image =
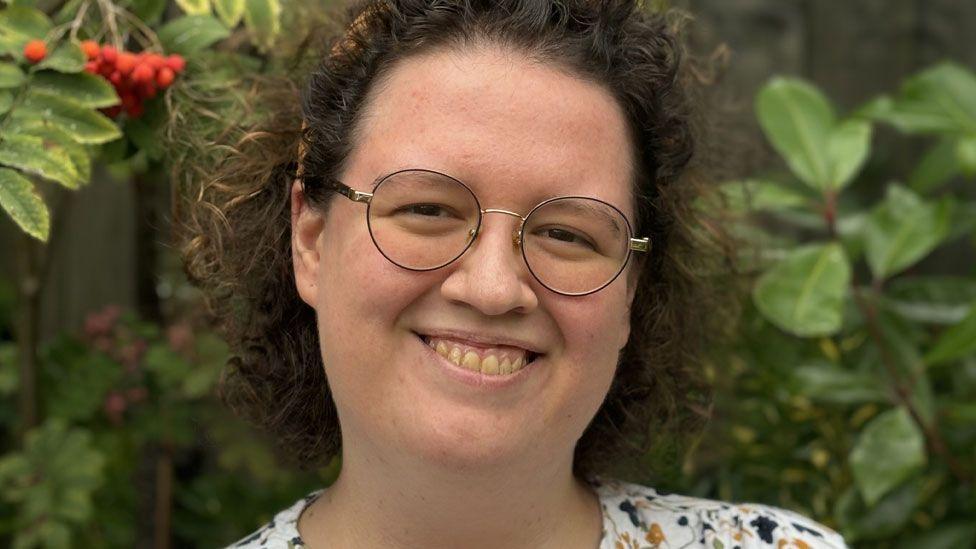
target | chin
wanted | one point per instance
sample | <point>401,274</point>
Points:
<point>469,445</point>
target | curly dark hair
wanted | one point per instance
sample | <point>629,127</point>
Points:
<point>236,217</point>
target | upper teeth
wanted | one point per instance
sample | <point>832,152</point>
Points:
<point>491,361</point>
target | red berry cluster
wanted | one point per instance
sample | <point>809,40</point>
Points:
<point>136,77</point>
<point>35,51</point>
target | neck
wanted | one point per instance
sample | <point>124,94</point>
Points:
<point>394,503</point>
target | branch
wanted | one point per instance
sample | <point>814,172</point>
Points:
<point>903,394</point>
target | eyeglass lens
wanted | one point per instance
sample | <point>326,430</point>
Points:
<point>424,220</point>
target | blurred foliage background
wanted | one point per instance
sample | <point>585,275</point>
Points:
<point>846,137</point>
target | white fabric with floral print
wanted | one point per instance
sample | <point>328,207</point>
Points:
<point>638,517</point>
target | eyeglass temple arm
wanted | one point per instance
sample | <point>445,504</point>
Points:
<point>344,190</point>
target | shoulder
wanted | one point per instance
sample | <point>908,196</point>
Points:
<point>636,515</point>
<point>281,532</point>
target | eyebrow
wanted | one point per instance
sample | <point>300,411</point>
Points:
<point>581,207</point>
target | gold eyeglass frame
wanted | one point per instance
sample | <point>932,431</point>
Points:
<point>640,245</point>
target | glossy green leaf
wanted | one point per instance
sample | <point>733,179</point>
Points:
<point>966,154</point>
<point>937,166</point>
<point>229,11</point>
<point>82,88</point>
<point>931,299</point>
<point>939,99</point>
<point>150,11</point>
<point>21,202</point>
<point>885,518</point>
<point>804,293</point>
<point>848,146</point>
<point>67,58</point>
<point>191,34</point>
<point>19,24</point>
<point>889,450</point>
<point>757,194</point>
<point>902,230</point>
<point>263,19</point>
<point>957,342</point>
<point>826,382</point>
<point>797,119</point>
<point>11,76</point>
<point>38,156</point>
<point>194,7</point>
<point>81,123</point>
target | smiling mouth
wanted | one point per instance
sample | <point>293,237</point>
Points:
<point>500,360</point>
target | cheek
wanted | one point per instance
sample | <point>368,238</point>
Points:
<point>597,324</point>
<point>594,329</point>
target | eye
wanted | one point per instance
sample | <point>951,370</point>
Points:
<point>567,236</point>
<point>426,210</point>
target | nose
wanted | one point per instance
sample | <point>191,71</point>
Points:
<point>491,275</point>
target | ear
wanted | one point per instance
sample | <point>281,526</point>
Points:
<point>307,225</point>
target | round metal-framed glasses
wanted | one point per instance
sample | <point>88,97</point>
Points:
<point>422,220</point>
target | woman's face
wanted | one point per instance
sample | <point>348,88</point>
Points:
<point>516,132</point>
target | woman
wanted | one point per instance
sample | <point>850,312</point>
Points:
<point>476,276</point>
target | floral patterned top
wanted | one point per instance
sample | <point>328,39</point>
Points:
<point>638,517</point>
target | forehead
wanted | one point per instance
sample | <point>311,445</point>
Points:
<point>514,130</point>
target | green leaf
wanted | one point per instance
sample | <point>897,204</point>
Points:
<point>38,156</point>
<point>168,367</point>
<point>66,12</point>
<point>82,124</point>
<point>82,381</point>
<point>24,206</point>
<point>941,99</point>
<point>262,19</point>
<point>966,155</point>
<point>797,120</point>
<point>957,342</point>
<point>229,11</point>
<point>53,133</point>
<point>902,341</point>
<point>149,11</point>
<point>191,34</point>
<point>757,194</point>
<point>194,7</point>
<point>881,520</point>
<point>931,299</point>
<point>804,293</point>
<point>53,479</point>
<point>145,131</point>
<point>938,166</point>
<point>825,382</point>
<point>18,25</point>
<point>10,75</point>
<point>902,230</point>
<point>85,89</point>
<point>847,149</point>
<point>889,451</point>
<point>67,57</point>
<point>6,101</point>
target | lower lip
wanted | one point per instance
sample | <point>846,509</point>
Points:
<point>478,379</point>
